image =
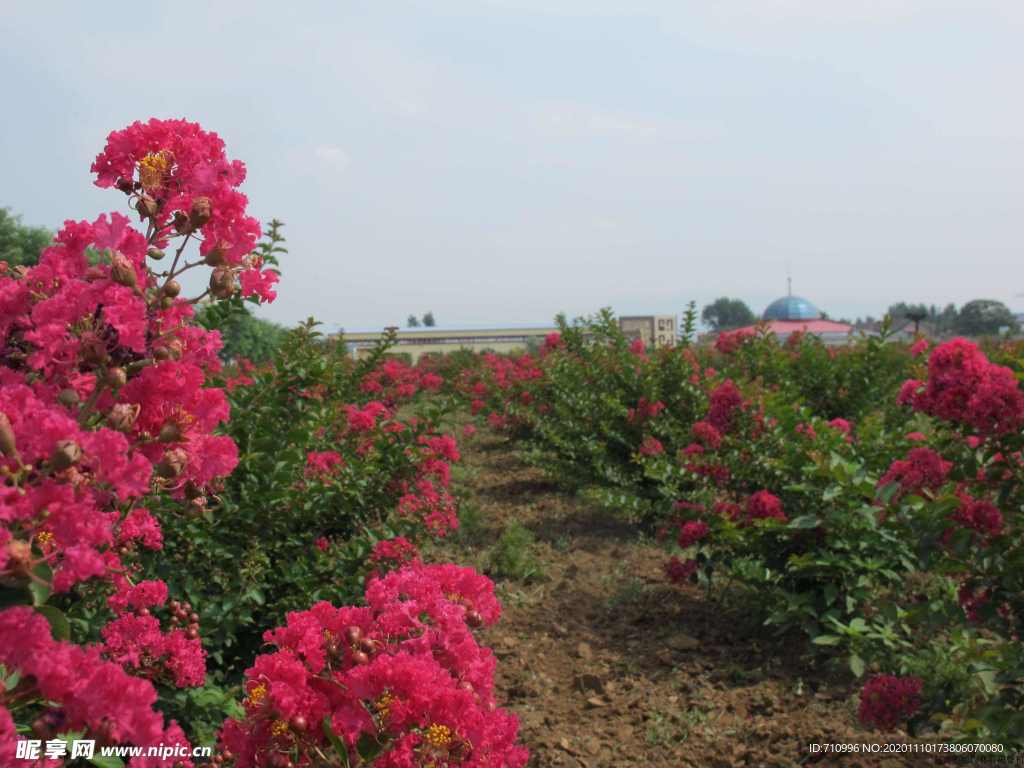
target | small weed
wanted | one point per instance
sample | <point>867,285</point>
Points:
<point>512,555</point>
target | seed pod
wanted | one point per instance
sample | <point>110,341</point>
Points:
<point>170,433</point>
<point>123,415</point>
<point>181,223</point>
<point>68,397</point>
<point>65,454</point>
<point>474,619</point>
<point>161,354</point>
<point>155,253</point>
<point>116,377</point>
<point>222,283</point>
<point>366,645</point>
<point>201,211</point>
<point>171,288</point>
<point>360,658</point>
<point>147,207</point>
<point>299,724</point>
<point>218,256</point>
<point>172,464</point>
<point>122,271</point>
<point>353,635</point>
<point>8,443</point>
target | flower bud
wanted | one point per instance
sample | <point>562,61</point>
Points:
<point>116,377</point>
<point>474,619</point>
<point>166,302</point>
<point>200,213</point>
<point>92,349</point>
<point>222,283</point>
<point>123,415</point>
<point>155,253</point>
<point>125,185</point>
<point>122,271</point>
<point>8,443</point>
<point>68,397</point>
<point>147,207</point>
<point>65,454</point>
<point>172,464</point>
<point>172,288</point>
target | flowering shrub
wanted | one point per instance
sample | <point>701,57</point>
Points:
<point>401,682</point>
<point>144,537</point>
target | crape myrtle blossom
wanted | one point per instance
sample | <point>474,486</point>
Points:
<point>404,672</point>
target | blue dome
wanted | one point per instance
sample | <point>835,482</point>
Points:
<point>791,308</point>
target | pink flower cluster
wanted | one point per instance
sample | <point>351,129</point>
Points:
<point>964,387</point>
<point>403,674</point>
<point>83,692</point>
<point>729,341</point>
<point>886,700</point>
<point>922,470</point>
<point>765,505</point>
<point>393,381</point>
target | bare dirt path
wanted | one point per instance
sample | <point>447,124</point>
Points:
<point>606,664</point>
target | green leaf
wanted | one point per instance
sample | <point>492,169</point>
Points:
<point>827,640</point>
<point>58,621</point>
<point>337,743</point>
<point>805,522</point>
<point>368,747</point>
<point>41,592</point>
<point>856,665</point>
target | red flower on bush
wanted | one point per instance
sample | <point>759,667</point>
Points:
<point>678,571</point>
<point>651,446</point>
<point>691,532</point>
<point>922,469</point>
<point>886,700</point>
<point>724,401</point>
<point>765,505</point>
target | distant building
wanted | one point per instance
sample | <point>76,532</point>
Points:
<point>791,314</point>
<point>417,342</point>
<point>653,330</point>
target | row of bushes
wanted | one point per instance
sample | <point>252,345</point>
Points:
<point>868,496</point>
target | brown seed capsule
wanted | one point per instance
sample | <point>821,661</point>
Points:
<point>116,377</point>
<point>170,433</point>
<point>171,288</point>
<point>474,619</point>
<point>366,645</point>
<point>299,724</point>
<point>353,635</point>
<point>360,658</point>
<point>8,443</point>
<point>68,397</point>
<point>155,253</point>
<point>172,464</point>
<point>125,185</point>
<point>222,283</point>
<point>123,415</point>
<point>201,211</point>
<point>147,207</point>
<point>65,454</point>
<point>122,271</point>
<point>161,354</point>
<point>181,223</point>
<point>217,257</point>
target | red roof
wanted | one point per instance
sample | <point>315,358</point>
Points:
<point>783,327</point>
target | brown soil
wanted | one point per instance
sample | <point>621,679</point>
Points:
<point>606,664</point>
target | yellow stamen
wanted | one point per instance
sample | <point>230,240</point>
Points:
<point>153,169</point>
<point>279,728</point>
<point>44,538</point>
<point>257,694</point>
<point>383,705</point>
<point>439,735</point>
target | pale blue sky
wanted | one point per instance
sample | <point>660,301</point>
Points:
<point>499,161</point>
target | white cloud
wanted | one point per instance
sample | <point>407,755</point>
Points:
<point>332,156</point>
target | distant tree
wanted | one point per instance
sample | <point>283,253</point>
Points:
<point>983,317</point>
<point>412,322</point>
<point>245,335</point>
<point>428,320</point>
<point>21,245</point>
<point>946,321</point>
<point>724,313</point>
<point>903,311</point>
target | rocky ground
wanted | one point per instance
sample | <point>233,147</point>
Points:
<point>606,664</point>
